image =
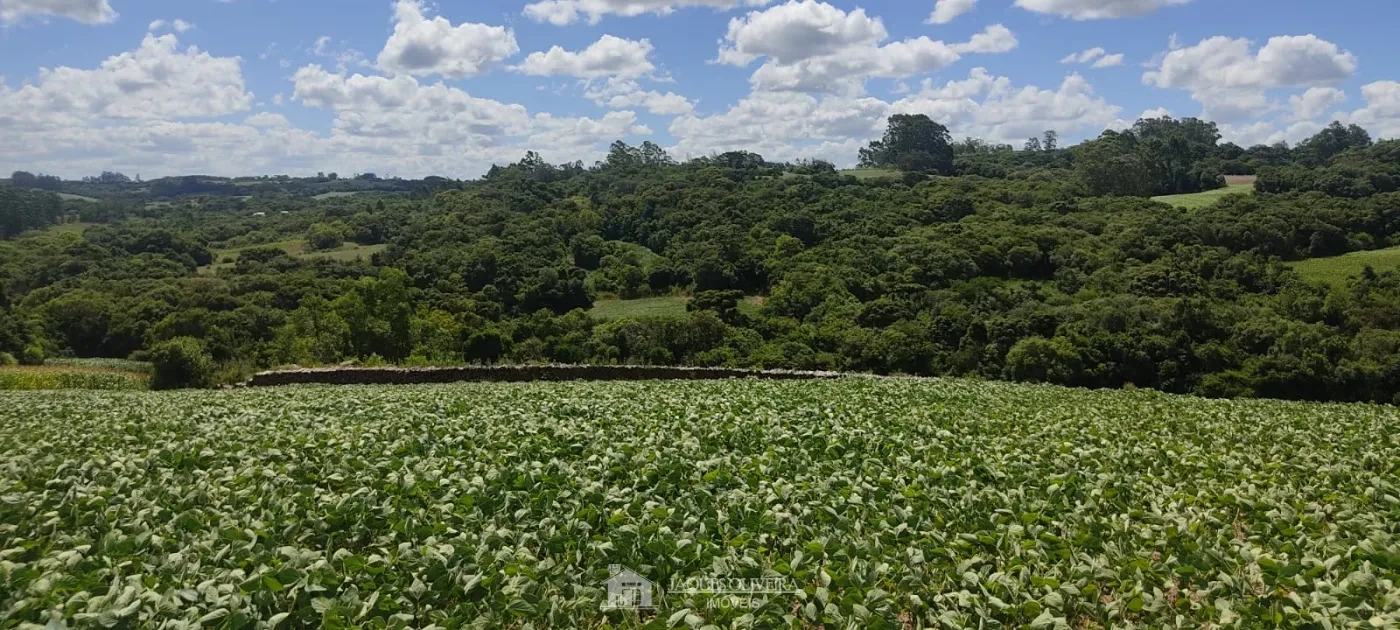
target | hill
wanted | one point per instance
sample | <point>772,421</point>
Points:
<point>1043,264</point>
<point>869,503</point>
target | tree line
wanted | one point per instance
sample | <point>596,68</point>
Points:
<point>1040,264</point>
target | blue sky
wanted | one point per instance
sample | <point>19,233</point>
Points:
<point>412,88</point>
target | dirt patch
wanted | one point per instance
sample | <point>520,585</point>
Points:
<point>1240,180</point>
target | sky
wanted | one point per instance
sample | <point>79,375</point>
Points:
<point>413,88</point>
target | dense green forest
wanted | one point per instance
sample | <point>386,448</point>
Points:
<point>1040,263</point>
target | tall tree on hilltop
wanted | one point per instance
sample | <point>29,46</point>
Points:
<point>912,143</point>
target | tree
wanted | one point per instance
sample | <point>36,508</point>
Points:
<point>1031,145</point>
<point>1052,140</point>
<point>1332,141</point>
<point>1112,165</point>
<point>911,141</point>
<point>180,363</point>
<point>326,235</point>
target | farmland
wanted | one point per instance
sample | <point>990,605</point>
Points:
<point>1336,269</point>
<point>98,374</point>
<point>887,503</point>
<point>1193,201</point>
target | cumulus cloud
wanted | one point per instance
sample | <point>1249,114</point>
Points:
<point>945,11</point>
<point>86,11</point>
<point>421,46</point>
<point>789,126</point>
<point>267,119</point>
<point>608,57</point>
<point>157,80</point>
<point>1096,9</point>
<point>994,39</point>
<point>797,31</point>
<point>1267,132</point>
<point>1381,115</point>
<point>812,46</point>
<point>404,113</point>
<point>1231,81</point>
<point>618,93</point>
<point>1315,102</point>
<point>561,12</point>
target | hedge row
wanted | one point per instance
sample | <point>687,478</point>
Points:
<point>517,373</point>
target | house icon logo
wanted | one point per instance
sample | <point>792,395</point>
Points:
<point>626,589</point>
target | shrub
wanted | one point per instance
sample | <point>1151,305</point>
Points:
<point>33,354</point>
<point>7,359</point>
<point>182,362</point>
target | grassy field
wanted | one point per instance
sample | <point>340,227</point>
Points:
<point>72,197</point>
<point>657,307</point>
<point>871,173</point>
<point>1200,200</point>
<point>335,195</point>
<point>224,258</point>
<point>75,374</point>
<point>867,503</point>
<point>1337,269</point>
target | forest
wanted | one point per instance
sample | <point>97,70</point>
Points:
<point>1033,263</point>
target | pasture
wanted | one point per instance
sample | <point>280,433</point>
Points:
<point>1335,270</point>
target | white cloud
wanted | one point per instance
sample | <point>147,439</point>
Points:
<point>267,119</point>
<point>561,12</point>
<point>1381,115</point>
<point>1096,9</point>
<point>1008,114</point>
<point>344,58</point>
<point>1315,102</point>
<point>1265,132</point>
<point>945,11</point>
<point>811,46</point>
<point>179,26</point>
<point>994,39</point>
<point>1221,62</point>
<point>155,81</point>
<point>789,126</point>
<point>1109,61</point>
<point>1097,55</point>
<point>624,93</point>
<point>609,56</point>
<point>581,132</point>
<point>86,11</point>
<point>798,31</point>
<point>1232,82</point>
<point>421,46</point>
<point>1084,57</point>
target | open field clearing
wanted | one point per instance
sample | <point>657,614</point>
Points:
<point>671,306</point>
<point>225,258</point>
<point>1336,269</point>
<point>880,503</point>
<point>1192,201</point>
<point>872,173</point>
